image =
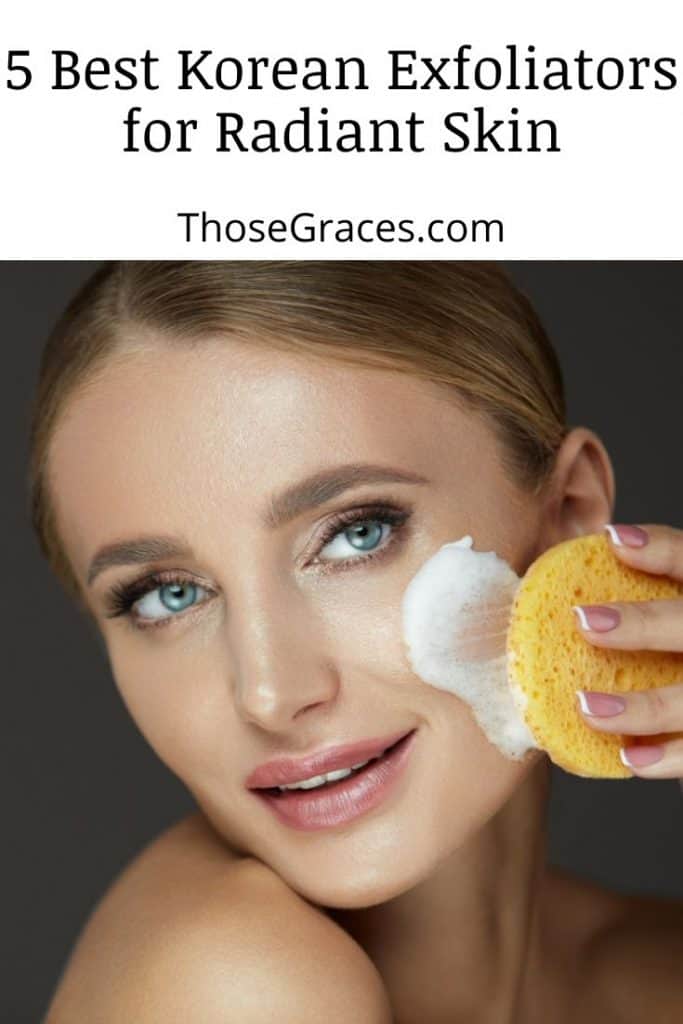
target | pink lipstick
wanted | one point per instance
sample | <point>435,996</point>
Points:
<point>328,802</point>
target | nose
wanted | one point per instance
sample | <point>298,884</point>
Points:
<point>280,667</point>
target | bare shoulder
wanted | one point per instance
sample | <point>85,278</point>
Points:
<point>193,931</point>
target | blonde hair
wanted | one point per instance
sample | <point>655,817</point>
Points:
<point>459,324</point>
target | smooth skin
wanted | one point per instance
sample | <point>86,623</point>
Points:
<point>438,904</point>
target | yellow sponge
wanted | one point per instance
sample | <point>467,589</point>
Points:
<point>549,659</point>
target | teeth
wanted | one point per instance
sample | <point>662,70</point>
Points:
<point>340,773</point>
<point>320,780</point>
<point>317,780</point>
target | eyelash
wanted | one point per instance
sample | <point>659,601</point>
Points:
<point>122,596</point>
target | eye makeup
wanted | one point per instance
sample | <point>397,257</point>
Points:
<point>394,516</point>
<point>122,596</point>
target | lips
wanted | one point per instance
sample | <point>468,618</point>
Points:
<point>341,803</point>
<point>284,770</point>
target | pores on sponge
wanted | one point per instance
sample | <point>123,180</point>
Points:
<point>455,613</point>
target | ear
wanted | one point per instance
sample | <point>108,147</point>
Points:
<point>580,492</point>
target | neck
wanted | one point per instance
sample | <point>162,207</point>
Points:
<point>463,943</point>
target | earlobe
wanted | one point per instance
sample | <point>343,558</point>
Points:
<point>582,488</point>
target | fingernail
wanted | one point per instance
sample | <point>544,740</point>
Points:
<point>640,757</point>
<point>601,704</point>
<point>597,617</point>
<point>628,536</point>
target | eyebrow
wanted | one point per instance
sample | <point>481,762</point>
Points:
<point>133,552</point>
<point>307,494</point>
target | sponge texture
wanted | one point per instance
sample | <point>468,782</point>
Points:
<point>549,659</point>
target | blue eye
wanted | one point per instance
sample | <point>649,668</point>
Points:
<point>171,597</point>
<point>359,535</point>
<point>156,600</point>
<point>363,535</point>
<point>177,596</point>
<point>351,538</point>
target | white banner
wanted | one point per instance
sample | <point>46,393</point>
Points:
<point>364,130</point>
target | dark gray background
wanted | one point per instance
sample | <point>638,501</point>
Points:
<point>83,792</point>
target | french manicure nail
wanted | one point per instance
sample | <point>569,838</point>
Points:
<point>640,757</point>
<point>627,536</point>
<point>600,704</point>
<point>597,617</point>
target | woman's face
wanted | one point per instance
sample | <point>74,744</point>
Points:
<point>286,640</point>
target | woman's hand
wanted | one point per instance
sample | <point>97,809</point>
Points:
<point>641,625</point>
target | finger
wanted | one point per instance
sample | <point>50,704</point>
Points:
<point>652,547</point>
<point>633,625</point>
<point>642,712</point>
<point>660,761</point>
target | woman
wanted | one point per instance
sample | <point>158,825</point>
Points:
<point>236,470</point>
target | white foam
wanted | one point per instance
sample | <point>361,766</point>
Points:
<point>456,611</point>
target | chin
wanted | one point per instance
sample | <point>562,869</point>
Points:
<point>373,875</point>
<point>374,886</point>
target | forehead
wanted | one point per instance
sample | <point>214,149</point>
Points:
<point>168,438</point>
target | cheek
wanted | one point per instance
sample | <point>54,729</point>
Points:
<point>469,777</point>
<point>365,629</point>
<point>474,794</point>
<point>360,623</point>
<point>359,619</point>
<point>178,703</point>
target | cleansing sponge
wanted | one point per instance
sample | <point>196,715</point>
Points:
<point>549,659</point>
<point>511,648</point>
